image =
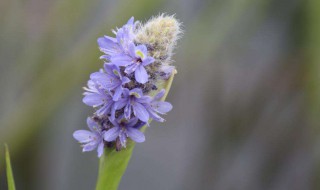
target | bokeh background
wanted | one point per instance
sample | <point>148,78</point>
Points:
<point>246,98</point>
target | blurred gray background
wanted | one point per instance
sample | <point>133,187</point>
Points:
<point>246,98</point>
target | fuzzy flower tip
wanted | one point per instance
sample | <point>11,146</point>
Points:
<point>136,61</point>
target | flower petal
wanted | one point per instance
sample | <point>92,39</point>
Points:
<point>93,99</point>
<point>108,45</point>
<point>155,116</point>
<point>108,68</point>
<point>83,136</point>
<point>106,81</point>
<point>89,147</point>
<point>161,107</point>
<point>112,134</point>
<point>104,42</point>
<point>106,57</point>
<point>132,50</point>
<point>123,139</point>
<point>144,100</point>
<point>113,113</point>
<point>130,21</point>
<point>120,103</point>
<point>160,94</point>
<point>132,122</point>
<point>140,111</point>
<point>135,135</point>
<point>121,60</point>
<point>143,50</point>
<point>127,111</point>
<point>91,124</point>
<point>100,149</point>
<point>147,61</point>
<point>117,93</point>
<point>141,74</point>
<point>131,68</point>
<point>125,80</point>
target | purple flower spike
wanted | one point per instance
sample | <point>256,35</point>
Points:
<point>123,129</point>
<point>92,139</point>
<point>157,106</point>
<point>111,79</point>
<point>97,97</point>
<point>121,93</point>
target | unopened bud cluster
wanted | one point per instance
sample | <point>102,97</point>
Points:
<point>136,61</point>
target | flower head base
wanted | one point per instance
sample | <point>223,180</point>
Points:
<point>136,64</point>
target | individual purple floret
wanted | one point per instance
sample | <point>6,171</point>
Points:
<point>111,79</point>
<point>125,35</point>
<point>135,62</point>
<point>135,101</point>
<point>92,139</point>
<point>97,97</point>
<point>119,45</point>
<point>140,60</point>
<point>122,129</point>
<point>157,106</point>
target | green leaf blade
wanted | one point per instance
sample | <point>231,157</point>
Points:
<point>10,179</point>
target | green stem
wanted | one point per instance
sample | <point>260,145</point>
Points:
<point>113,164</point>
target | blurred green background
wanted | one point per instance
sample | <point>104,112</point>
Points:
<point>246,98</point>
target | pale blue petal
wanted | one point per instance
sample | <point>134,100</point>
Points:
<point>141,74</point>
<point>130,21</point>
<point>160,94</point>
<point>121,60</point>
<point>89,147</point>
<point>100,149</point>
<point>120,103</point>
<point>147,61</point>
<point>161,107</point>
<point>93,99</point>
<point>135,135</point>
<point>117,93</point>
<point>144,100</point>
<point>123,139</point>
<point>91,124</point>
<point>132,50</point>
<point>143,49</point>
<point>127,111</point>
<point>111,134</point>
<point>132,122</point>
<point>83,136</point>
<point>155,116</point>
<point>131,68</point>
<point>140,111</point>
<point>125,80</point>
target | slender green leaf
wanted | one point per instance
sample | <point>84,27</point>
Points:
<point>10,179</point>
<point>113,164</point>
